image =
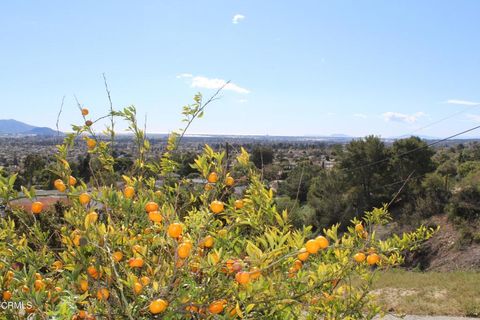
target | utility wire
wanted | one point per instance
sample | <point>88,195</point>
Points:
<point>411,151</point>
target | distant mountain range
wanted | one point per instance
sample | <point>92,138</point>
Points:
<point>14,127</point>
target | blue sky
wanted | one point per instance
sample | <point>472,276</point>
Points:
<point>297,67</point>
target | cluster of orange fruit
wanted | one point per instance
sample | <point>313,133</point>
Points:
<point>372,258</point>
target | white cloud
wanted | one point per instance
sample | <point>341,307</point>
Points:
<point>360,115</point>
<point>463,102</point>
<point>401,117</point>
<point>211,83</point>
<point>474,117</point>
<point>237,18</point>
<point>184,75</point>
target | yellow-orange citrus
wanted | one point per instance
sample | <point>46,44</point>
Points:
<point>212,177</point>
<point>303,255</point>
<point>312,246</point>
<point>129,192</point>
<point>322,242</point>
<point>72,181</point>
<point>217,206</point>
<point>59,185</point>
<point>91,143</point>
<point>151,206</point>
<point>158,306</point>
<point>103,294</point>
<point>216,306</point>
<point>84,198</point>
<point>242,277</point>
<point>229,181</point>
<point>137,287</point>
<point>6,295</point>
<point>373,259</point>
<point>359,257</point>
<point>175,230</point>
<point>37,207</point>
<point>135,262</point>
<point>183,250</point>
<point>238,204</point>
<point>155,216</point>
<point>85,112</point>
<point>117,256</point>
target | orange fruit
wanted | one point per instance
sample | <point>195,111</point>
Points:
<point>84,198</point>
<point>85,112</point>
<point>208,187</point>
<point>255,273</point>
<point>183,250</point>
<point>91,143</point>
<point>57,265</point>
<point>37,207</point>
<point>151,206</point>
<point>135,262</point>
<point>217,206</point>
<point>229,181</point>
<point>93,272</point>
<point>359,257</point>
<point>72,181</point>
<point>191,309</point>
<point>297,264</point>
<point>373,259</point>
<point>158,306</point>
<point>212,177</point>
<point>216,306</point>
<point>129,192</point>
<point>83,285</point>
<point>155,216</point>
<point>359,228</point>
<point>6,295</point>
<point>88,123</point>
<point>59,185</point>
<point>39,285</point>
<point>322,242</point>
<point>25,289</point>
<point>242,277</point>
<point>174,230</point>
<point>238,204</point>
<point>208,242</point>
<point>145,280</point>
<point>117,256</point>
<point>229,264</point>
<point>291,272</point>
<point>137,287</point>
<point>312,246</point>
<point>103,294</point>
<point>303,255</point>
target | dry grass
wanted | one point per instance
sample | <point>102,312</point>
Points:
<point>429,293</point>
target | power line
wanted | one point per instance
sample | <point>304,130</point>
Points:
<point>413,150</point>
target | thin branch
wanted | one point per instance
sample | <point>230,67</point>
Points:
<point>199,111</point>
<point>58,116</point>
<point>112,122</point>
<point>400,190</point>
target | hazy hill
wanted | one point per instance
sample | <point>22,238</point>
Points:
<point>14,127</point>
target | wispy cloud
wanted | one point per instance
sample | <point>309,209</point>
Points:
<point>211,83</point>
<point>360,115</point>
<point>184,75</point>
<point>463,102</point>
<point>474,117</point>
<point>402,117</point>
<point>237,18</point>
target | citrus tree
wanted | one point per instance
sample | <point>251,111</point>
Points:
<point>131,248</point>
